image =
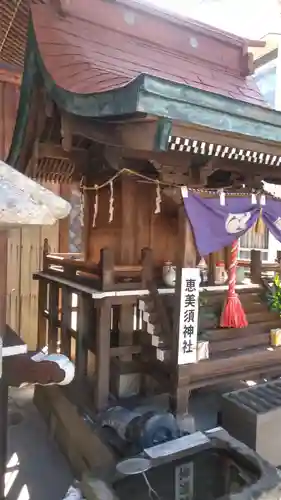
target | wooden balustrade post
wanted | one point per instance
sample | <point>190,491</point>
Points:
<point>107,269</point>
<point>256,266</point>
<point>66,320</point>
<point>46,249</point>
<point>53,317</point>
<point>102,355</point>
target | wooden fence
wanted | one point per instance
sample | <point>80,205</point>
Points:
<point>25,251</point>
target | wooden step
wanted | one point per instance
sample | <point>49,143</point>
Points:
<point>248,359</point>
<point>229,333</point>
<point>217,346</point>
<point>262,316</point>
<point>250,307</point>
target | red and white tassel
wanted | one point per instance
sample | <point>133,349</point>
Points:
<point>233,314</point>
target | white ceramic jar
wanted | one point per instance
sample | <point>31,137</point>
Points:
<point>169,274</point>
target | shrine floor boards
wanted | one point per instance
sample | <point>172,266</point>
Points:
<point>36,468</point>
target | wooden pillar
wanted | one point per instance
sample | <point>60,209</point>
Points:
<point>84,327</point>
<point>255,266</point>
<point>87,221</point>
<point>186,257</point>
<point>42,302</point>
<point>66,321</point>
<point>102,355</point>
<point>211,269</point>
<point>42,322</point>
<point>127,255</point>
<point>3,383</point>
<point>65,192</point>
<point>53,317</point>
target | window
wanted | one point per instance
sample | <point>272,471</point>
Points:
<point>253,241</point>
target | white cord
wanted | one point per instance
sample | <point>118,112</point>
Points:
<point>151,491</point>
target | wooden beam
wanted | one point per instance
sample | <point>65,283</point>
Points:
<point>240,141</point>
<point>182,160</point>
<point>266,58</point>
<point>135,135</point>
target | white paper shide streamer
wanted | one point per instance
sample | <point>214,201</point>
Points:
<point>158,199</point>
<point>96,206</point>
<point>222,198</point>
<point>111,202</point>
<point>82,202</point>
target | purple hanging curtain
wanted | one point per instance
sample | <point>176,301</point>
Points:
<point>216,226</point>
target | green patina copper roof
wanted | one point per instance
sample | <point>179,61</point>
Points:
<point>152,95</point>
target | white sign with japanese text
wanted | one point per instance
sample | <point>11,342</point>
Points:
<point>188,320</point>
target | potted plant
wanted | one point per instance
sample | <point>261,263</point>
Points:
<point>274,301</point>
<point>274,295</point>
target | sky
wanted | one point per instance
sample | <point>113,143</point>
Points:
<point>248,18</point>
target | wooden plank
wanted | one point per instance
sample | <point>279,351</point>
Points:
<point>30,257</point>
<point>13,279</point>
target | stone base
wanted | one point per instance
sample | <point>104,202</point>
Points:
<point>253,416</point>
<point>125,380</point>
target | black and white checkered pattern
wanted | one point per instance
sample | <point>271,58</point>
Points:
<point>205,148</point>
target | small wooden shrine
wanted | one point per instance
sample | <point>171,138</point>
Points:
<point>134,103</point>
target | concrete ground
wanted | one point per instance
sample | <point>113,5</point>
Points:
<point>36,468</point>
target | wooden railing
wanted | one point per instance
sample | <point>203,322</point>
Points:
<point>104,275</point>
<point>74,323</point>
